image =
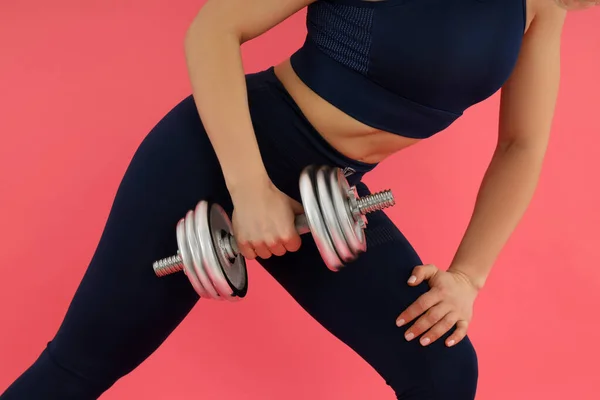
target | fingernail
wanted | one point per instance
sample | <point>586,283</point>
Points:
<point>412,279</point>
<point>409,336</point>
<point>425,341</point>
<point>400,322</point>
<point>451,343</point>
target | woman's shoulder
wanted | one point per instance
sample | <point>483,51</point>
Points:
<point>546,11</point>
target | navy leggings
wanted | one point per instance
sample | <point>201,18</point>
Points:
<point>121,312</point>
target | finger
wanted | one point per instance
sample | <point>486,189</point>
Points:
<point>291,240</point>
<point>261,250</point>
<point>421,273</point>
<point>459,334</point>
<point>422,304</point>
<point>276,247</point>
<point>296,206</point>
<point>246,250</point>
<point>426,321</point>
<point>439,329</point>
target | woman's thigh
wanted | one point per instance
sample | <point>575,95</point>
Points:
<point>360,303</point>
<point>121,311</point>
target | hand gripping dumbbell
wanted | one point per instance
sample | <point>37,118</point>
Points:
<point>334,214</point>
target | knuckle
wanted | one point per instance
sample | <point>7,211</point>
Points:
<point>241,240</point>
<point>451,318</point>
<point>435,316</point>
<point>459,333</point>
<point>256,242</point>
<point>271,243</point>
<point>289,237</point>
<point>435,290</point>
<point>439,292</point>
<point>250,255</point>
<point>416,323</point>
<point>276,244</point>
<point>448,324</point>
<point>420,324</point>
<point>421,303</point>
<point>434,334</point>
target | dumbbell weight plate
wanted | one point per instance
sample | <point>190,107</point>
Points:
<point>188,262</point>
<point>330,214</point>
<point>314,217</point>
<point>343,197</point>
<point>229,276</point>
<point>196,251</point>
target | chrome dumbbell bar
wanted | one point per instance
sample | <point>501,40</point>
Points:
<point>334,215</point>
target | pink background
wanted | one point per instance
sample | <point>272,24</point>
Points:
<point>81,83</point>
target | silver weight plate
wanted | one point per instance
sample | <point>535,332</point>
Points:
<point>229,276</point>
<point>188,262</point>
<point>196,250</point>
<point>352,228</point>
<point>314,217</point>
<point>330,216</point>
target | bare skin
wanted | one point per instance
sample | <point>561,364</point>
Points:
<point>349,136</point>
<point>263,216</point>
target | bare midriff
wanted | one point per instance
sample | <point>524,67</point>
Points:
<point>347,135</point>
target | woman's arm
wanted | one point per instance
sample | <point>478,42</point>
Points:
<point>212,48</point>
<point>527,108</point>
<point>526,112</point>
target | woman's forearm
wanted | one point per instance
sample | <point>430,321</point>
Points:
<point>505,193</point>
<point>214,62</point>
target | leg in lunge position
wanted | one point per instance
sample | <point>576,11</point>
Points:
<point>360,304</point>
<point>338,101</point>
<point>121,311</point>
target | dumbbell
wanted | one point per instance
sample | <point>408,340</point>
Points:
<point>333,213</point>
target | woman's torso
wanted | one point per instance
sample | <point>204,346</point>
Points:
<point>348,135</point>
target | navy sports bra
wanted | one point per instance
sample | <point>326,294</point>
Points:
<point>409,67</point>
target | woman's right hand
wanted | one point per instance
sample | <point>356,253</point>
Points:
<point>263,221</point>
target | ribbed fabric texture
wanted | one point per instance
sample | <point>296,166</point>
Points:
<point>343,32</point>
<point>121,312</point>
<point>378,234</point>
<point>405,66</point>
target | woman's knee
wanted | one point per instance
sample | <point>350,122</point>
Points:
<point>440,373</point>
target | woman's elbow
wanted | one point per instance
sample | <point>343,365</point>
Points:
<point>207,26</point>
<point>533,149</point>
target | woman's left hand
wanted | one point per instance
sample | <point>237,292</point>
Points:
<point>449,302</point>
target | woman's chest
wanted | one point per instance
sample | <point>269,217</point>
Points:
<point>447,54</point>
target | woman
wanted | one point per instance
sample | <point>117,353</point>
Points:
<point>373,77</point>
